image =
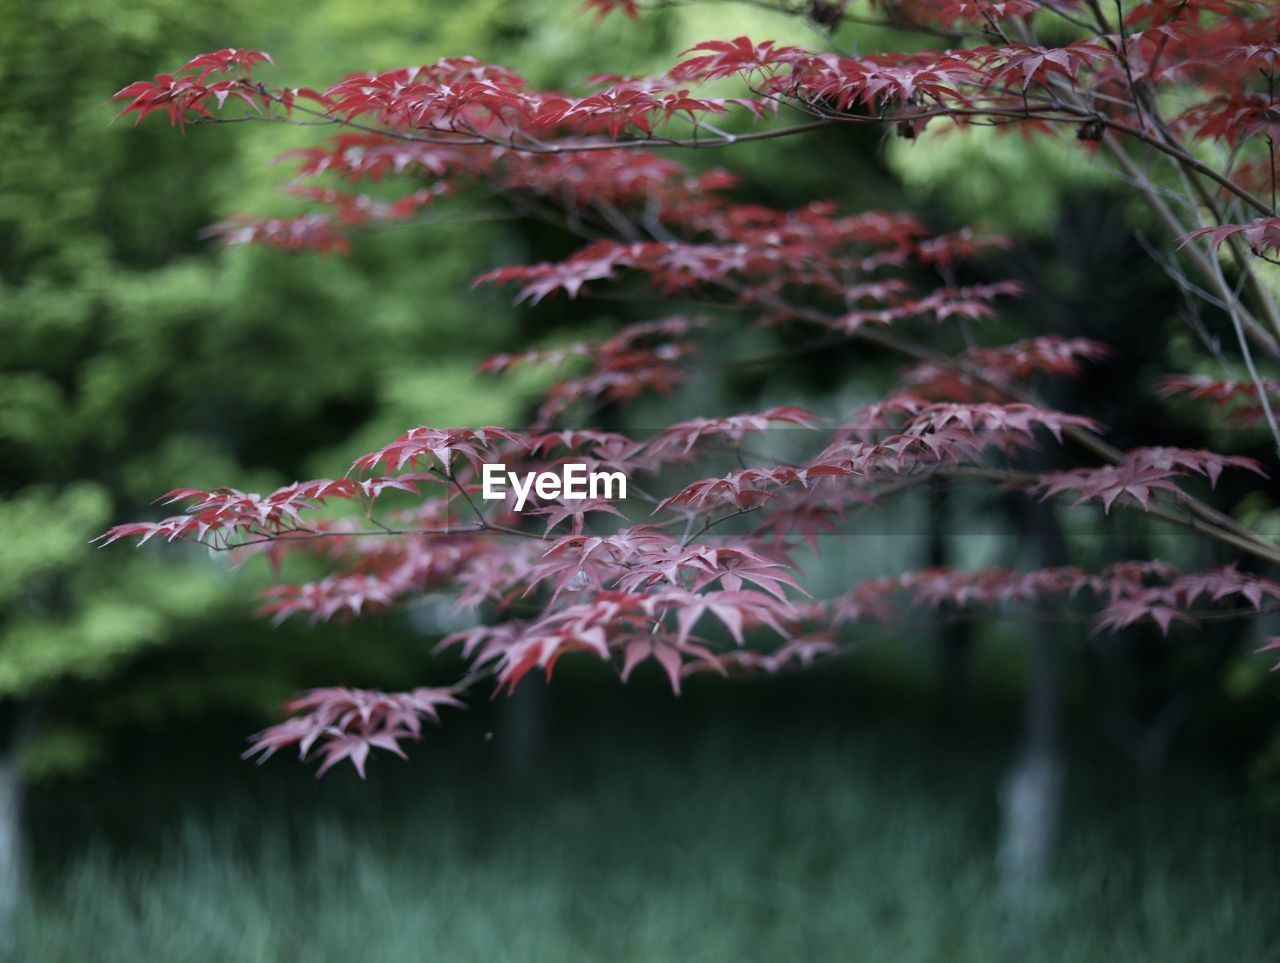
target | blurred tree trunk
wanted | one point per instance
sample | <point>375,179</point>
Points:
<point>955,641</point>
<point>12,855</point>
<point>12,844</point>
<point>1032,793</point>
<point>1033,788</point>
<point>520,726</point>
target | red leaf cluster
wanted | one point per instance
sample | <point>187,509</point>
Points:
<point>339,723</point>
<point>699,570</point>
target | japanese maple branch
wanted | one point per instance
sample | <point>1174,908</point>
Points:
<point>282,538</point>
<point>1212,522</point>
<point>481,519</point>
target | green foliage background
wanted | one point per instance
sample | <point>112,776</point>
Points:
<point>138,357</point>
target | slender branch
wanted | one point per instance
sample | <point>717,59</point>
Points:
<point>481,519</point>
<point>284,538</point>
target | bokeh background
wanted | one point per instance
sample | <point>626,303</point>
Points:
<point>850,813</point>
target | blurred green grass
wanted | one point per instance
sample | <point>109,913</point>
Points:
<point>738,843</point>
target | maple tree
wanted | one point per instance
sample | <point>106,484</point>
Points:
<point>699,570</point>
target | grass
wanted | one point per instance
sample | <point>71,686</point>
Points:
<point>750,843</point>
